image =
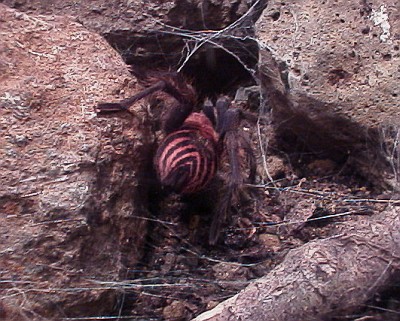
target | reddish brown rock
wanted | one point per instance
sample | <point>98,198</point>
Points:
<point>69,181</point>
<point>343,55</point>
<point>331,74</point>
<point>143,31</point>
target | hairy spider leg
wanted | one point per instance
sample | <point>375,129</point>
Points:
<point>230,121</point>
<point>126,103</point>
<point>224,201</point>
<point>233,141</point>
<point>229,190</point>
<point>177,113</point>
<point>230,124</point>
<point>222,105</point>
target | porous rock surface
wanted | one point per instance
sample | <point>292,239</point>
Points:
<point>332,70</point>
<point>99,15</point>
<point>339,52</point>
<point>69,180</point>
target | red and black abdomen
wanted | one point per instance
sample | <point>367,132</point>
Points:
<point>186,160</point>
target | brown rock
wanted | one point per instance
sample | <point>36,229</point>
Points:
<point>69,179</point>
<point>177,310</point>
<point>270,241</point>
<point>342,55</point>
<point>230,275</point>
<point>331,75</point>
<point>143,31</point>
<point>323,277</point>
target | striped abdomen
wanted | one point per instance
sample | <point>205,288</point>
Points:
<point>186,159</point>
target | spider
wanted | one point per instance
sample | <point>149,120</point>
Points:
<point>196,143</point>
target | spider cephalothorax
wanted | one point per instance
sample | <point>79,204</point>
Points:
<point>188,157</point>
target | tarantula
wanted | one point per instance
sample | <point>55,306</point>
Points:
<point>189,156</point>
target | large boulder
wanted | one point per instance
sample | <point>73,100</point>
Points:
<point>69,181</point>
<point>331,73</point>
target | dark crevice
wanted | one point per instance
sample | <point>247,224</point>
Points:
<point>213,69</point>
<point>275,16</point>
<point>155,50</point>
<point>216,67</point>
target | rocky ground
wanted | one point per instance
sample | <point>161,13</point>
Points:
<point>85,233</point>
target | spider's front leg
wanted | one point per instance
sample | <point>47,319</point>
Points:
<point>103,108</point>
<point>238,149</point>
<point>228,189</point>
<point>173,85</point>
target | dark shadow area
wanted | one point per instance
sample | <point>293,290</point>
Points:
<point>221,71</point>
<point>213,69</point>
<point>305,126</point>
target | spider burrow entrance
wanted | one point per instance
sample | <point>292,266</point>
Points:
<point>194,143</point>
<point>223,68</point>
<point>222,71</point>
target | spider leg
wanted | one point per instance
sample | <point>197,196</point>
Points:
<point>103,108</point>
<point>231,189</point>
<point>208,110</point>
<point>169,85</point>
<point>229,121</point>
<point>234,141</point>
<point>232,146</point>
<point>221,106</point>
<point>229,124</point>
<point>185,96</point>
<point>224,200</point>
